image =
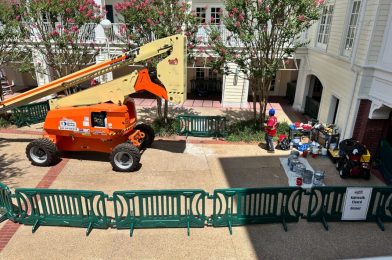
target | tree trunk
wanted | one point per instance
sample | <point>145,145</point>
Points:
<point>254,99</point>
<point>159,108</point>
<point>165,111</point>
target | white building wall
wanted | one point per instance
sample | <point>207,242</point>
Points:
<point>379,31</point>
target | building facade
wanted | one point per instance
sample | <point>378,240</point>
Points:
<point>345,74</point>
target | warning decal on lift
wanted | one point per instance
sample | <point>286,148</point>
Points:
<point>67,124</point>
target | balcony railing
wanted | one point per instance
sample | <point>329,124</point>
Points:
<point>203,30</point>
<point>86,33</point>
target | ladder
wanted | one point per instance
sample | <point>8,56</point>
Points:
<point>6,87</point>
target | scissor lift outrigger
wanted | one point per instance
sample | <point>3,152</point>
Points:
<point>103,118</point>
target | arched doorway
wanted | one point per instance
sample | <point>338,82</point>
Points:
<point>313,97</point>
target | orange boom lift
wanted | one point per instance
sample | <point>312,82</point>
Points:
<point>103,118</point>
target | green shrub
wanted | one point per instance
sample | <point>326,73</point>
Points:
<point>283,128</point>
<point>165,129</point>
<point>5,120</point>
<point>245,131</point>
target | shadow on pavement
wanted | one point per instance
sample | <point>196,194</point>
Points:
<point>148,114</point>
<point>170,146</point>
<point>7,167</point>
<point>88,156</point>
<point>271,241</point>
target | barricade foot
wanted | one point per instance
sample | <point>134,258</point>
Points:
<point>35,226</point>
<point>131,229</point>
<point>89,228</point>
<point>380,224</point>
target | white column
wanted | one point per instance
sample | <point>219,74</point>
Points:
<point>300,90</point>
<point>42,71</point>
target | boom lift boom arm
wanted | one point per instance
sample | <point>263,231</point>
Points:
<point>171,72</point>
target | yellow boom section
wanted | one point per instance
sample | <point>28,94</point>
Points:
<point>171,72</point>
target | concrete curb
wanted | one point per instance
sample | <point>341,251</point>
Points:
<point>191,140</point>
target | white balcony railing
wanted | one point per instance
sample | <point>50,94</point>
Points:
<point>203,30</point>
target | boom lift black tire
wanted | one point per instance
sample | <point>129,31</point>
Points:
<point>42,152</point>
<point>125,158</point>
<point>149,135</point>
<point>343,171</point>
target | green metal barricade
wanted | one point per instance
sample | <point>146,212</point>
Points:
<point>237,207</point>
<point>327,204</point>
<point>159,208</point>
<point>380,206</point>
<point>30,114</point>
<point>206,126</point>
<point>6,207</point>
<point>50,207</point>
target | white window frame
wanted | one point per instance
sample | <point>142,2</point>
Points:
<point>324,28</point>
<point>199,19</point>
<point>351,27</point>
<point>208,12</point>
<point>200,73</point>
<point>215,14</point>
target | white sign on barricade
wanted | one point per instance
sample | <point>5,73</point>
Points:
<point>356,203</point>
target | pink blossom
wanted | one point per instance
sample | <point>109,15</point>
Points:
<point>267,8</point>
<point>191,46</point>
<point>160,12</point>
<point>18,17</point>
<point>54,33</point>
<point>58,26</point>
<point>68,10</point>
<point>241,17</point>
<point>301,17</point>
<point>74,28</point>
<point>319,2</point>
<point>260,2</point>
<point>235,10</point>
<point>81,8</point>
<point>237,24</point>
<point>70,20</point>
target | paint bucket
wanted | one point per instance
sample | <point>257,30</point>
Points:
<point>315,150</point>
<point>299,169</point>
<point>324,151</point>
<point>291,158</point>
<point>308,177</point>
<point>293,163</point>
<point>318,178</point>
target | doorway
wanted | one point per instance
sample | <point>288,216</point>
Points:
<point>333,110</point>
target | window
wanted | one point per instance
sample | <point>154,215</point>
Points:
<point>109,14</point>
<point>352,27</point>
<point>201,15</point>
<point>325,26</point>
<point>213,74</point>
<point>272,84</point>
<point>199,73</point>
<point>215,15</point>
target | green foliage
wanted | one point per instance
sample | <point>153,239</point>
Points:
<point>245,131</point>
<point>5,120</point>
<point>266,32</point>
<point>146,20</point>
<point>165,129</point>
<point>8,32</point>
<point>60,40</point>
<point>283,128</point>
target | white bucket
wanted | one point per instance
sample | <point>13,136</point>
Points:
<point>323,151</point>
<point>315,150</point>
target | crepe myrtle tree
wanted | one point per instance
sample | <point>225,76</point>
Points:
<point>57,32</point>
<point>148,20</point>
<point>262,34</point>
<point>8,32</point>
